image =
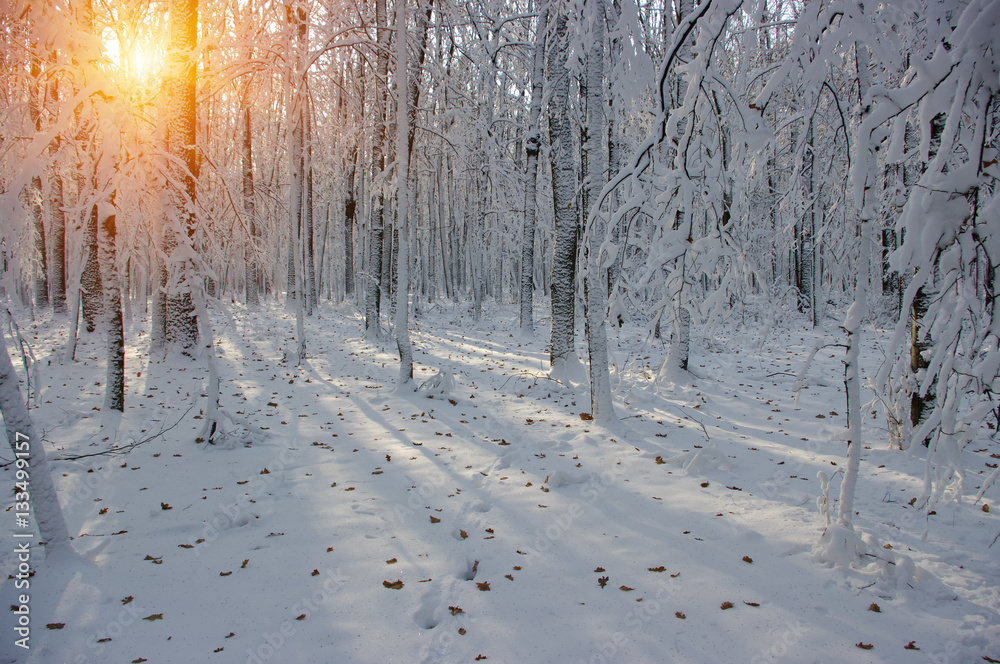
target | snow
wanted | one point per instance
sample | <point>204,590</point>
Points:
<point>493,477</point>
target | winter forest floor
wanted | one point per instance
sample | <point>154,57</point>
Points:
<point>490,522</point>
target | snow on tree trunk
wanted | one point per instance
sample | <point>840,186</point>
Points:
<point>34,192</point>
<point>38,228</point>
<point>531,149</point>
<point>251,283</point>
<point>114,395</point>
<point>350,205</point>
<point>27,445</point>
<point>91,292</point>
<point>376,235</point>
<point>595,296</point>
<point>180,322</point>
<point>57,215</point>
<point>839,543</point>
<point>403,344</point>
<point>57,222</point>
<point>309,254</point>
<point>297,23</point>
<point>562,353</point>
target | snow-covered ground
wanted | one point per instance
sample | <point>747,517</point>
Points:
<point>489,522</point>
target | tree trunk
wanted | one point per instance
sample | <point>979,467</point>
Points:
<point>35,192</point>
<point>297,22</point>
<point>564,185</point>
<point>403,146</point>
<point>91,292</point>
<point>349,208</point>
<point>376,239</point>
<point>595,296</point>
<point>114,395</point>
<point>180,322</point>
<point>864,180</point>
<point>30,460</point>
<point>251,279</point>
<point>531,149</point>
<point>309,253</point>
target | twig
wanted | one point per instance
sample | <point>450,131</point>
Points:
<point>131,446</point>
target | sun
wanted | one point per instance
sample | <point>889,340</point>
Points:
<point>143,63</point>
<point>133,41</point>
<point>133,62</point>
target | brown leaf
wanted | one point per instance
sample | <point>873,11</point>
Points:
<point>747,559</point>
<point>483,585</point>
<point>598,569</point>
<point>434,519</point>
<point>393,585</point>
<point>680,615</point>
<point>245,563</point>
<point>127,599</point>
<point>455,610</point>
<point>154,616</point>
<point>509,576</point>
<point>224,573</point>
<point>726,605</point>
<point>660,461</point>
<point>56,625</point>
<point>661,568</point>
<point>315,572</point>
<point>138,660</point>
<point>461,630</point>
<point>752,603</point>
<point>864,646</point>
<point>586,417</point>
<point>165,506</point>
<point>464,534</point>
<point>625,588</point>
<point>912,645</point>
<point>603,581</point>
<point>301,616</point>
<point>875,608</point>
<point>391,561</point>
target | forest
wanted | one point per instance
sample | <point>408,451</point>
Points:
<point>578,224</point>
